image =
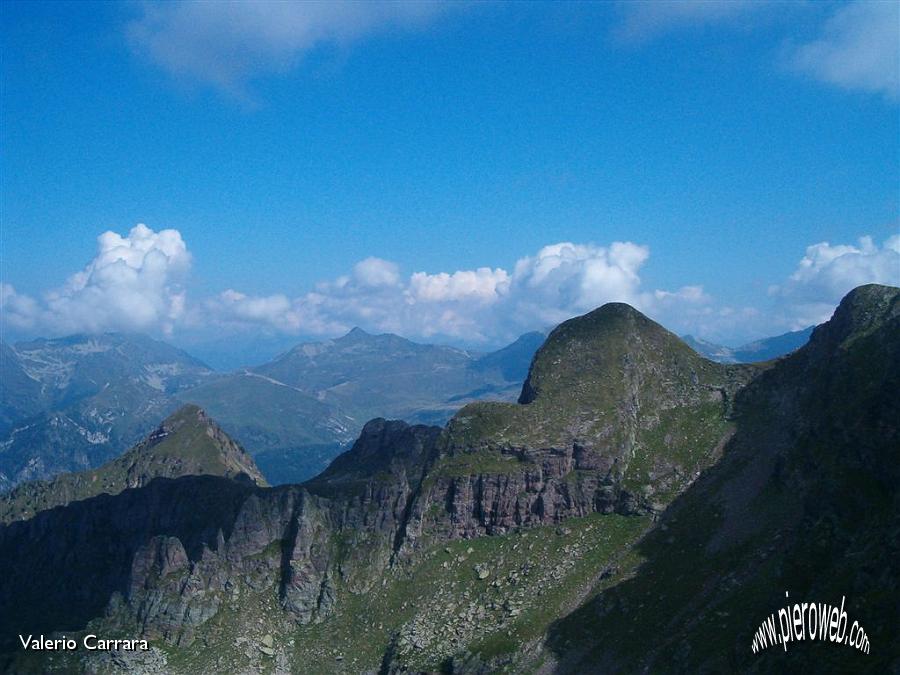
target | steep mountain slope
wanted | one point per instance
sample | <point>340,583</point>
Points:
<point>186,443</point>
<point>804,501</point>
<point>641,509</point>
<point>73,403</point>
<point>752,352</point>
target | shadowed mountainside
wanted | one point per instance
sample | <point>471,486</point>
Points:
<point>804,501</point>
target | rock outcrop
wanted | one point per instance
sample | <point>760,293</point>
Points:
<point>618,418</point>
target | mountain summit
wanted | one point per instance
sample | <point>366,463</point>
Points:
<point>804,499</point>
<point>187,443</point>
<point>73,403</point>
<point>607,343</point>
<point>639,497</point>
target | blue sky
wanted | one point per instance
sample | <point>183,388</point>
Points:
<point>284,144</point>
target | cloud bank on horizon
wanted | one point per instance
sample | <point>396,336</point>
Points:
<point>138,282</point>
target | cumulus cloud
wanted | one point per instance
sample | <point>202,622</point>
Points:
<point>225,44</point>
<point>858,49</point>
<point>375,272</point>
<point>483,285</point>
<point>133,283</point>
<point>559,281</point>
<point>827,272</point>
<point>20,311</point>
<point>564,279</point>
<point>274,310</point>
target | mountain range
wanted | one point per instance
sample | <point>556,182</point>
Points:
<point>186,443</point>
<point>639,508</point>
<point>71,404</point>
<point>752,352</point>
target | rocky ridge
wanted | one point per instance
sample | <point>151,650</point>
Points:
<point>460,547</point>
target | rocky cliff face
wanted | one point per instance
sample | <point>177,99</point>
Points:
<point>595,433</point>
<point>617,415</point>
<point>616,420</point>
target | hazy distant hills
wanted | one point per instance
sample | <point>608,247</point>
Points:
<point>386,375</point>
<point>752,352</point>
<point>72,403</point>
<point>187,443</point>
<point>296,412</point>
<point>513,360</point>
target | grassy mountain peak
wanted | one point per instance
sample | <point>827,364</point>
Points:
<point>598,376</point>
<point>804,499</point>
<point>602,343</point>
<point>187,442</point>
<point>862,311</point>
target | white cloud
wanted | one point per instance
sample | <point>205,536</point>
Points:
<point>135,283</point>
<point>131,284</point>
<point>376,272</point>
<point>828,272</point>
<point>857,45</point>
<point>643,20</point>
<point>226,44</point>
<point>689,294</point>
<point>20,311</point>
<point>482,285</point>
<point>565,279</point>
<point>859,48</point>
<point>558,282</point>
<point>274,310</point>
